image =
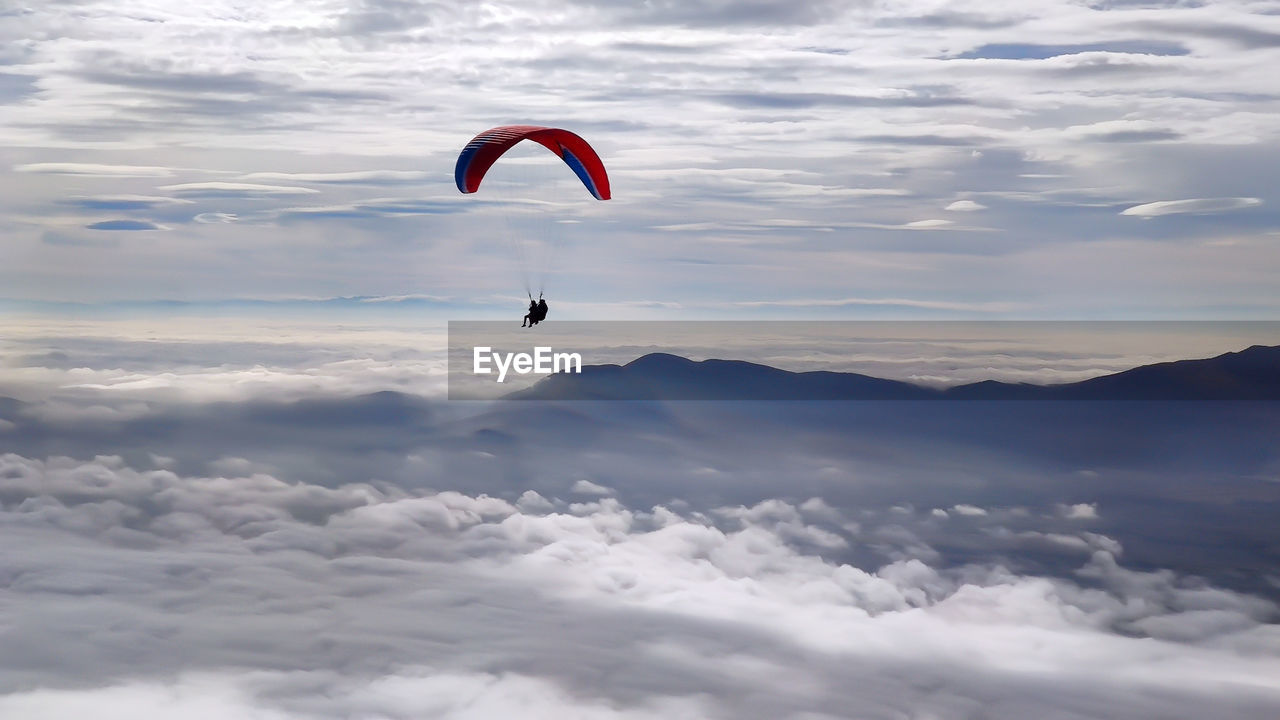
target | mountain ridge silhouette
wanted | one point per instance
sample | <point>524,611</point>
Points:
<point>1249,374</point>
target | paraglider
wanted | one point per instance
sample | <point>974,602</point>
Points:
<point>484,150</point>
<point>488,147</point>
<point>537,312</point>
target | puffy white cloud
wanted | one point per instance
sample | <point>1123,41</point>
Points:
<point>304,601</point>
<point>1079,511</point>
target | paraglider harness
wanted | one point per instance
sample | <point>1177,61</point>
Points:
<point>537,311</point>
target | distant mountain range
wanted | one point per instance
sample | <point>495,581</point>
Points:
<point>1250,374</point>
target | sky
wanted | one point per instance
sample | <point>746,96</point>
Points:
<point>1078,160</point>
<point>232,487</point>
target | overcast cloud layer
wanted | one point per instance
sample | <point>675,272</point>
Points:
<point>1034,159</point>
<point>233,519</point>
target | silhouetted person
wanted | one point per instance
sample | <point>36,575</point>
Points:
<point>531,317</point>
<point>537,312</point>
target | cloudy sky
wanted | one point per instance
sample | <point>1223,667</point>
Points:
<point>254,503</point>
<point>1033,159</point>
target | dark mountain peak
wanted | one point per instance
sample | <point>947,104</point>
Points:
<point>1249,374</point>
<point>1261,354</point>
<point>993,390</point>
<point>659,361</point>
<point>1272,351</point>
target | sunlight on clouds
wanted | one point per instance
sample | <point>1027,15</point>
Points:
<point>122,363</point>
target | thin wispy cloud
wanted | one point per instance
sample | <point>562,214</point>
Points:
<point>1194,205</point>
<point>216,217</point>
<point>94,170</point>
<point>124,225</point>
<point>358,177</point>
<point>123,202</point>
<point>233,189</point>
<point>997,307</point>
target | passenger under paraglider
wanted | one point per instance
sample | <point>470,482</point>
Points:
<point>537,312</point>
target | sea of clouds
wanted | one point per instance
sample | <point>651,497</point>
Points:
<point>206,524</point>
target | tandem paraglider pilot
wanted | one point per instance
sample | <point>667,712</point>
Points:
<point>537,312</point>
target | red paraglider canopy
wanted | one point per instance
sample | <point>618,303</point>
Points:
<point>484,150</point>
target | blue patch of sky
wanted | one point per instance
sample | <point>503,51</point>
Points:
<point>15,87</point>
